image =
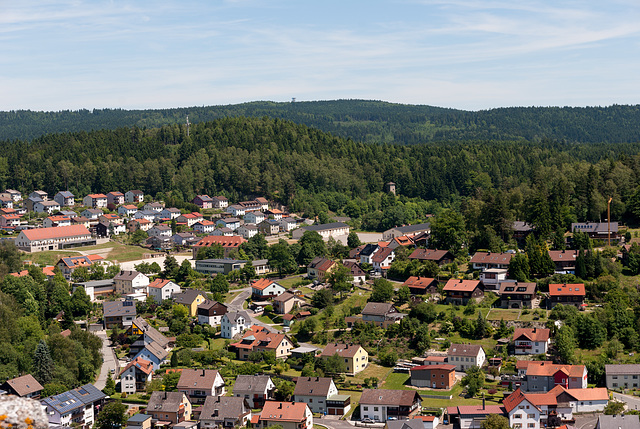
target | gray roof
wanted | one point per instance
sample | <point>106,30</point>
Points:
<point>95,283</point>
<point>234,315</point>
<point>470,350</point>
<point>138,418</point>
<point>378,308</point>
<point>126,275</point>
<point>405,424</point>
<point>629,421</point>
<point>161,402</point>
<point>407,229</point>
<point>73,399</point>
<point>251,383</point>
<point>224,261</point>
<point>187,296</point>
<point>65,194</point>
<point>24,385</point>
<point>630,369</point>
<point>313,386</point>
<point>223,407</point>
<point>152,334</point>
<point>118,308</point>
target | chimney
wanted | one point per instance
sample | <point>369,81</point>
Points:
<point>483,405</point>
<point>203,372</point>
<point>280,406</point>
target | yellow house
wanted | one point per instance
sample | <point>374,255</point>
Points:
<point>191,299</point>
<point>355,357</point>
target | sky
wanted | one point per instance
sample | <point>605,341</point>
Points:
<point>465,54</point>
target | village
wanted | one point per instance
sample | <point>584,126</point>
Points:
<point>228,339</point>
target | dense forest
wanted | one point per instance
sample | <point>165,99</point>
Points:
<point>361,120</point>
<point>491,183</point>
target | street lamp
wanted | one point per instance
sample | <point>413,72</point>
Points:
<point>609,221</point>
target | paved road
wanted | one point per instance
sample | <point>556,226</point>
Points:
<point>633,402</point>
<point>109,361</point>
<point>586,421</point>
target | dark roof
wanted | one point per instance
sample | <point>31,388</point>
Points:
<point>389,397</point>
<point>200,378</point>
<point>378,308</point>
<point>24,385</point>
<point>413,228</point>
<point>164,402</point>
<point>187,296</point>
<point>343,350</point>
<point>430,254</point>
<point>251,383</point>
<point>470,350</point>
<point>368,249</point>
<point>234,315</point>
<point>223,407</point>
<point>72,399</point>
<point>284,297</point>
<point>152,334</point>
<point>313,386</point>
<point>126,275</point>
<point>118,308</point>
<point>514,287</point>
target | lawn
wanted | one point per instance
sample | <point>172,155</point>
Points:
<point>119,252</point>
<point>265,319</point>
<point>373,370</point>
<point>288,282</point>
<point>397,381</point>
<point>498,314</point>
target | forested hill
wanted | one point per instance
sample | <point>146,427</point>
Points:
<point>366,121</point>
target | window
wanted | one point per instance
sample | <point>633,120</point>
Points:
<point>366,408</point>
<point>517,416</point>
<point>531,416</point>
<point>311,400</point>
<point>375,408</point>
<point>531,425</point>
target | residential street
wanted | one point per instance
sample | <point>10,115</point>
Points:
<point>109,361</point>
<point>633,403</point>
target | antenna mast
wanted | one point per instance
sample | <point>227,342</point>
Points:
<point>188,125</point>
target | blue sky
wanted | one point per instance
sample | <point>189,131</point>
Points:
<point>467,54</point>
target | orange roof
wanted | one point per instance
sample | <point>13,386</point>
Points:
<point>383,244</point>
<point>512,401</point>
<point>94,258</point>
<point>229,242</point>
<point>130,207</point>
<point>422,282</point>
<point>542,369</point>
<point>262,284</point>
<point>48,270</point>
<point>593,394</point>
<point>456,285</point>
<point>255,419</point>
<point>284,411</point>
<point>141,221</point>
<point>524,364</point>
<point>55,232</point>
<point>111,216</point>
<point>97,196</point>
<point>159,283</point>
<point>532,334</point>
<point>142,364</point>
<point>574,289</point>
<point>424,418</point>
<point>59,218</point>
<point>259,336</point>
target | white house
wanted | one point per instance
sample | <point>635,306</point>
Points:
<point>146,214</point>
<point>65,199</point>
<point>73,406</point>
<point>153,207</point>
<point>264,288</point>
<point>96,201</point>
<point>46,207</point>
<point>161,289</point>
<point>229,222</point>
<point>464,356</point>
<point>247,231</point>
<point>236,210</point>
<point>160,231</point>
<point>92,214</point>
<point>128,282</point>
<point>38,239</point>
<point>134,196</point>
<point>335,230</point>
<point>204,227</point>
<point>170,213</point>
<point>531,341</point>
<point>254,217</point>
<point>127,210</point>
<point>234,323</point>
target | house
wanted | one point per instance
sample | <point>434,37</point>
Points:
<point>69,264</point>
<point>622,376</point>
<point>160,231</point>
<point>287,224</point>
<point>461,291</point>
<point>153,207</point>
<point>10,220</point>
<point>115,198</point>
<point>355,271</point>
<point>381,261</point>
<point>134,196</point>
<point>15,195</point>
<point>315,391</point>
<point>440,257</point>
<point>55,221</point>
<point>422,285</point>
<point>228,243</point>
<point>381,314</point>
<point>211,312</point>
<point>92,214</point>
<point>226,232</point>
<point>289,415</point>
<point>146,215</point>
<point>428,422</point>
<point>261,266</point>
<point>236,210</point>
<point>259,339</point>
<point>564,260</point>
<point>139,224</point>
<point>204,227</point>
<point>96,201</point>
<point>263,202</point>
<point>410,230</point>
<point>367,252</point>
<point>111,218</point>
<point>161,289</point>
<point>254,217</point>
<point>234,323</point>
<point>284,303</point>
<point>274,214</point>
<point>46,207</point>
<point>65,199</point>
<point>247,231</point>
<point>336,230</point>
<point>184,239</point>
<point>128,282</point>
<point>220,202</point>
<point>319,268</point>
<point>402,241</point>
<point>169,213</point>
<point>413,423</point>
<point>465,356</point>
<point>190,298</point>
<point>264,288</point>
<point>531,341</point>
<point>24,386</point>
<point>492,277</point>
<point>77,406</point>
<point>515,294</point>
<point>252,205</point>
<point>219,266</point>
<point>118,313</point>
<point>203,201</point>
<point>566,294</point>
<point>197,384</point>
<point>147,335</point>
<point>255,389</point>
<point>485,260</point>
<point>42,195</point>
<point>543,376</point>
<point>269,227</point>
<point>135,376</point>
<point>96,288</point>
<point>154,353</point>
<point>597,230</point>
<point>127,210</point>
<point>433,376</point>
<point>107,229</point>
<point>618,421</point>
<point>170,407</point>
<point>521,230</point>
<point>523,411</point>
<point>6,201</point>
<point>472,416</point>
<point>382,405</point>
<point>224,412</point>
<point>355,357</point>
<point>139,421</point>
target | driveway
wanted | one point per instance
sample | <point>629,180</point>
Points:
<point>109,361</point>
<point>633,402</point>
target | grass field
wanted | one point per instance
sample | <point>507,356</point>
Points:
<point>498,314</point>
<point>118,252</point>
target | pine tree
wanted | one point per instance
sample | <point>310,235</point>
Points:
<point>481,327</point>
<point>42,364</point>
<point>110,386</point>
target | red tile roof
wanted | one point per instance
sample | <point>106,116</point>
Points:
<point>575,289</point>
<point>563,255</point>
<point>56,232</point>
<point>419,282</point>
<point>262,284</point>
<point>532,334</point>
<point>491,258</point>
<point>455,285</point>
<point>227,242</point>
<point>159,283</point>
<point>284,411</point>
